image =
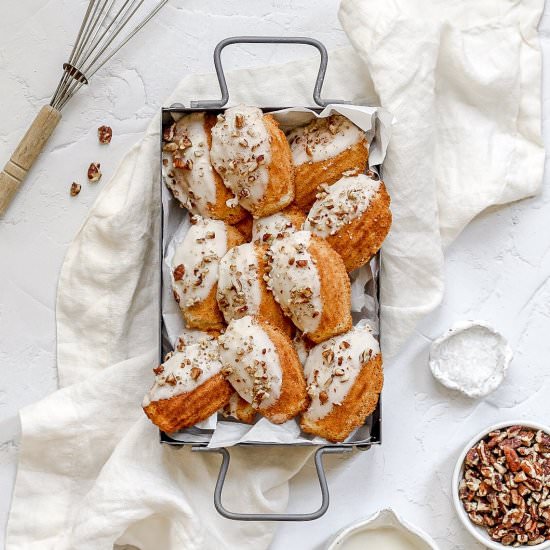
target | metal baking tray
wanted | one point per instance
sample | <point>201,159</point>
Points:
<point>367,435</point>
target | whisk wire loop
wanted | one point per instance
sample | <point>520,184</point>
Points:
<point>99,38</point>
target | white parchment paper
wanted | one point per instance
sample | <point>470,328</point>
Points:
<point>219,432</point>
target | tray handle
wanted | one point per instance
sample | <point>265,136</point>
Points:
<point>267,40</point>
<point>272,517</point>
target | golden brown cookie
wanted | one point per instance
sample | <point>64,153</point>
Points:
<point>354,217</point>
<point>309,280</point>
<point>242,289</point>
<point>190,176</point>
<point>345,378</point>
<point>322,152</point>
<point>195,271</point>
<point>188,388</point>
<point>252,156</point>
<point>262,365</point>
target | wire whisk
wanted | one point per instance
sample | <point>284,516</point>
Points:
<point>108,25</point>
<point>100,37</point>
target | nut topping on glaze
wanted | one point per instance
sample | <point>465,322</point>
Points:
<point>323,139</point>
<point>239,291</point>
<point>266,230</point>
<point>251,363</point>
<point>506,486</point>
<point>183,371</point>
<point>186,164</point>
<point>240,152</point>
<point>332,367</point>
<point>294,280</point>
<point>196,259</point>
<point>340,203</point>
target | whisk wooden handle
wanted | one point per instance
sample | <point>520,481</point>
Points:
<point>26,153</point>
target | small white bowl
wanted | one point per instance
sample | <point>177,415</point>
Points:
<point>478,532</point>
<point>383,518</point>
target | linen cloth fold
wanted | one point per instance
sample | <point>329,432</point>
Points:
<point>462,79</point>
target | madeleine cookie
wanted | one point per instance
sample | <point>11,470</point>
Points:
<point>191,178</point>
<point>322,151</point>
<point>277,226</point>
<point>239,409</point>
<point>188,388</point>
<point>354,217</point>
<point>252,156</point>
<point>242,289</point>
<point>309,280</point>
<point>344,377</point>
<point>195,271</point>
<point>262,365</point>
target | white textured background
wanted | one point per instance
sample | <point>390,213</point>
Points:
<point>498,270</point>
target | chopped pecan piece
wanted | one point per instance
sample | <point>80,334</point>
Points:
<point>195,372</point>
<point>94,172</point>
<point>179,272</point>
<point>75,189</point>
<point>512,459</point>
<point>105,134</point>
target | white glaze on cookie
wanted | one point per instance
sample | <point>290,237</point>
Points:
<point>184,371</point>
<point>323,139</point>
<point>265,230</point>
<point>191,336</point>
<point>301,347</point>
<point>332,368</point>
<point>294,280</point>
<point>251,362</point>
<point>193,182</point>
<point>241,153</point>
<point>196,259</point>
<point>239,291</point>
<point>340,203</point>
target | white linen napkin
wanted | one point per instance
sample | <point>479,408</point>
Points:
<point>463,80</point>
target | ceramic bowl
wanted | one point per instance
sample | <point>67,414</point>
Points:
<point>477,532</point>
<point>384,518</point>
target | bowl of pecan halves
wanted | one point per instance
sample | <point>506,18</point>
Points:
<point>501,486</point>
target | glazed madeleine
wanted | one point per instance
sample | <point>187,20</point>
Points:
<point>252,156</point>
<point>309,280</point>
<point>354,217</point>
<point>344,377</point>
<point>188,388</point>
<point>190,176</point>
<point>239,409</point>
<point>195,271</point>
<point>266,230</point>
<point>242,289</point>
<point>261,363</point>
<point>322,152</point>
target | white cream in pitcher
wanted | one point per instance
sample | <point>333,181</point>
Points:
<point>382,538</point>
